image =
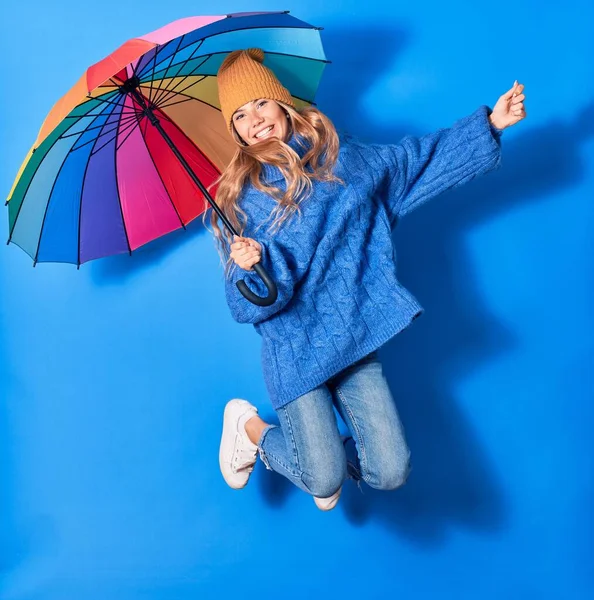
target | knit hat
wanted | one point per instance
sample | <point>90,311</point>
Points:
<point>242,77</point>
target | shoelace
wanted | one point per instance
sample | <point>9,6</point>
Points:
<point>244,458</point>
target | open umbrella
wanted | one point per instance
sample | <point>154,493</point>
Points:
<point>128,153</point>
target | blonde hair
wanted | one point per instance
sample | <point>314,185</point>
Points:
<point>322,142</point>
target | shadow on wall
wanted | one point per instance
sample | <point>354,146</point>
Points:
<point>452,479</point>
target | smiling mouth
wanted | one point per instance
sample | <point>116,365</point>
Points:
<point>264,133</point>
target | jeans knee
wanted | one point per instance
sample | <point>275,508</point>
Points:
<point>389,475</point>
<point>326,482</point>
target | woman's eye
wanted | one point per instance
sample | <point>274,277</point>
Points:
<point>238,117</point>
<point>262,103</point>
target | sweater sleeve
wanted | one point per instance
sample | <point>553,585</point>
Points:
<point>286,267</point>
<point>418,169</point>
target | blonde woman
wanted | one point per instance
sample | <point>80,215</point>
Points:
<point>317,210</point>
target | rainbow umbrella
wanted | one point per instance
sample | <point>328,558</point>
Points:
<point>128,153</point>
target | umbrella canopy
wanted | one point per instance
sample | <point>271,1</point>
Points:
<point>125,156</point>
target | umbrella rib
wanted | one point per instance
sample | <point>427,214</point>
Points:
<point>170,58</point>
<point>217,108</point>
<point>81,196</point>
<point>129,113</point>
<point>247,29</point>
<point>202,101</point>
<point>100,99</point>
<point>126,127</point>
<point>115,170</point>
<point>162,182</point>
<point>166,89</point>
<point>47,206</point>
<point>322,60</point>
<point>135,74</point>
<point>199,100</point>
<point>154,61</point>
<point>125,121</point>
<point>106,133</point>
<point>187,99</point>
<point>52,190</point>
<point>161,99</point>
<point>129,128</point>
<point>11,231</point>
<point>117,124</point>
<point>63,137</point>
<point>171,93</point>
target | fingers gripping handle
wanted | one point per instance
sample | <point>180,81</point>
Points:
<point>254,298</point>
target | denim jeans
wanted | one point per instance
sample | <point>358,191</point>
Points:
<point>307,447</point>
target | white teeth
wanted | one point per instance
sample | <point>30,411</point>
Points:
<point>263,133</point>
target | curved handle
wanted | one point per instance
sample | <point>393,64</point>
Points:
<point>254,298</point>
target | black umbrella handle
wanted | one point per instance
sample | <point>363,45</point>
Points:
<point>270,285</point>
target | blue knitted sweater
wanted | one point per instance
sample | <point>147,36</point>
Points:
<point>338,295</point>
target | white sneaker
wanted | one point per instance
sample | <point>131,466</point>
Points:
<point>237,453</point>
<point>328,503</point>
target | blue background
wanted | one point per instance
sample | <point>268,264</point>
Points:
<point>113,378</point>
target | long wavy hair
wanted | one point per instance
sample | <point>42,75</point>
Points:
<point>322,144</point>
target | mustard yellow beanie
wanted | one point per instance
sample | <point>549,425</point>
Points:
<point>242,77</point>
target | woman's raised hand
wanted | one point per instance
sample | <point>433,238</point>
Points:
<point>246,252</point>
<point>509,108</point>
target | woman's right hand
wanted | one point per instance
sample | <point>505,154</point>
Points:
<point>246,252</point>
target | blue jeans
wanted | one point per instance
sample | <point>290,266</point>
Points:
<point>307,447</point>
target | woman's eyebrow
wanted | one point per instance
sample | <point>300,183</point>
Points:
<point>240,109</point>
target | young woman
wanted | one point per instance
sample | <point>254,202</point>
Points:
<point>317,210</point>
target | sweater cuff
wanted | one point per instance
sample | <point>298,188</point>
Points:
<point>494,130</point>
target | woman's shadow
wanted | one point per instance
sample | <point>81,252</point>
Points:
<point>452,479</point>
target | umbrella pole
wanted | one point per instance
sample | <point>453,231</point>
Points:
<point>262,273</point>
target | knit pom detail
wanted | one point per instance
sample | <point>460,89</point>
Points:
<point>229,60</point>
<point>256,54</point>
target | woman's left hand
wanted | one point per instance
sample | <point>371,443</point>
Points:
<point>509,109</point>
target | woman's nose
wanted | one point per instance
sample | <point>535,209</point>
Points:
<point>256,122</point>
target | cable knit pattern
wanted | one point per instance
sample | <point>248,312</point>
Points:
<point>338,295</point>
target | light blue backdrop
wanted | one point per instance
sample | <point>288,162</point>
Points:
<point>113,378</point>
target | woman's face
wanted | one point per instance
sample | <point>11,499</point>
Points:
<point>260,120</point>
